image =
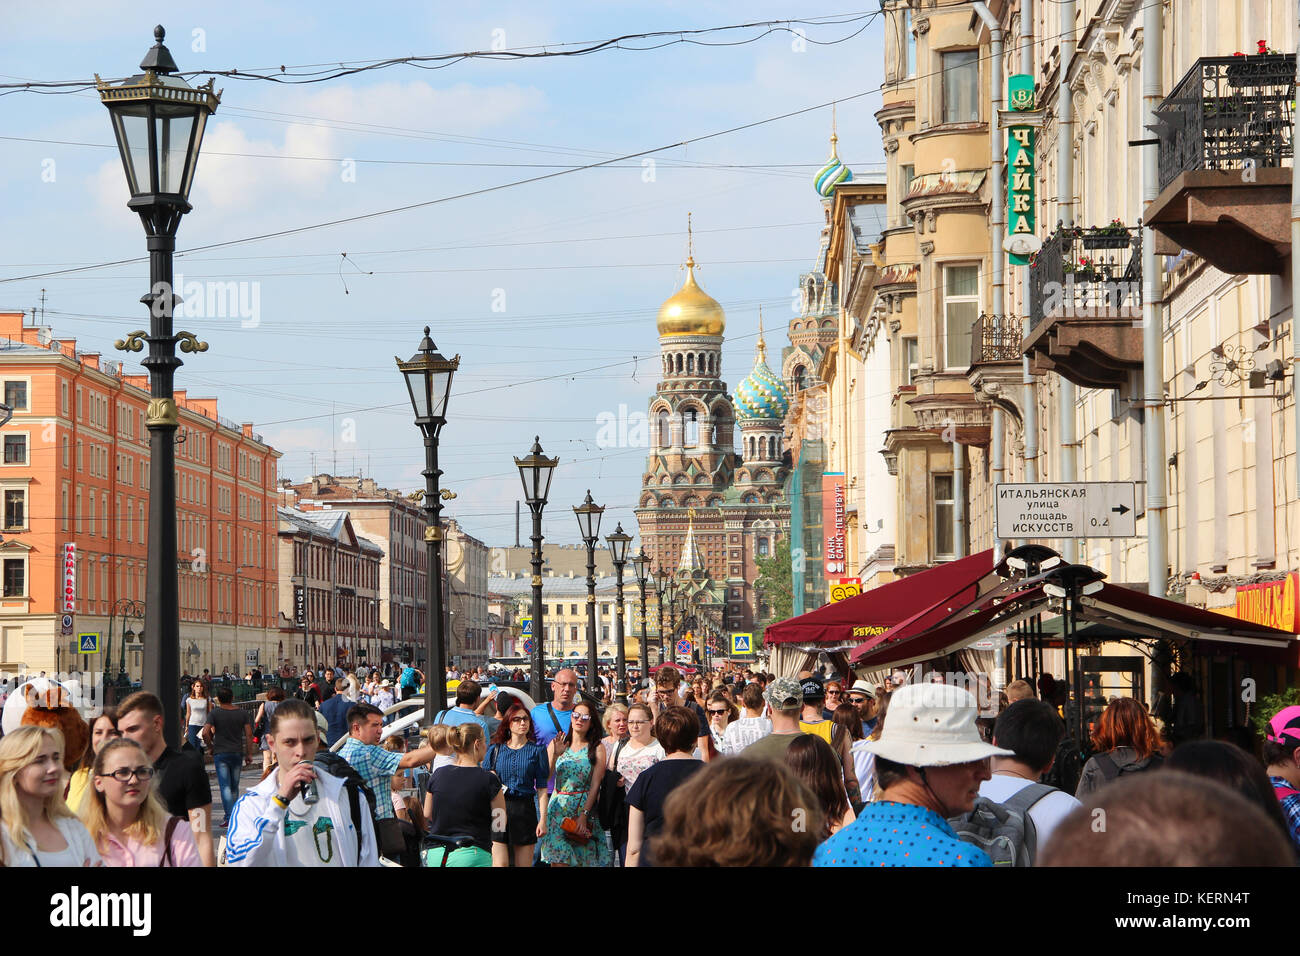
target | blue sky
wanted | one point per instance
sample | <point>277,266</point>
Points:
<point>559,279</point>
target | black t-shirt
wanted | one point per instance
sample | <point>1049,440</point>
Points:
<point>462,803</point>
<point>228,725</point>
<point>311,695</point>
<point>182,782</point>
<point>653,786</point>
<point>701,715</point>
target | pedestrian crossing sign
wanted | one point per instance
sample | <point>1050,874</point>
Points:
<point>88,643</point>
<point>742,643</point>
<point>527,627</point>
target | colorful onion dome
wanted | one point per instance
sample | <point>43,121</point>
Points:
<point>761,396</point>
<point>832,174</point>
<point>690,310</point>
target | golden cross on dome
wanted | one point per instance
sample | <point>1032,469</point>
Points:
<point>690,243</point>
<point>690,513</point>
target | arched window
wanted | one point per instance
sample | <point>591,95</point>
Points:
<point>664,428</point>
<point>690,363</point>
<point>800,378</point>
<point>690,428</point>
<point>679,363</point>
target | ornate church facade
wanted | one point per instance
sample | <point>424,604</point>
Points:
<point>709,507</point>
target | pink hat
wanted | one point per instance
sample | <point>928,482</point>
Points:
<point>1284,728</point>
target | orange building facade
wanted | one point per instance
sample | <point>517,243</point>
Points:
<point>75,471</point>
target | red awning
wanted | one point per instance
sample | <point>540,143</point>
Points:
<point>913,640</point>
<point>1216,633</point>
<point>935,632</point>
<point>873,612</point>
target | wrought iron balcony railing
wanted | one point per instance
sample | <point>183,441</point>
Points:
<point>1087,272</point>
<point>1228,113</point>
<point>996,338</point>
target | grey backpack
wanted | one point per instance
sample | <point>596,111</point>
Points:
<point>1004,830</point>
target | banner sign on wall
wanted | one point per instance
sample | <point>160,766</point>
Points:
<point>833,524</point>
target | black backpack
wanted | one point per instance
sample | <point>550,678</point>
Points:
<point>1067,768</point>
<point>355,785</point>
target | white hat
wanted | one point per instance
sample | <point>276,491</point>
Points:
<point>932,725</point>
<point>862,687</point>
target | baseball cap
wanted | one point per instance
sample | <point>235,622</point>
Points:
<point>1284,728</point>
<point>813,688</point>
<point>784,693</point>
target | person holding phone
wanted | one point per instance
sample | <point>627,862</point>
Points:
<point>299,815</point>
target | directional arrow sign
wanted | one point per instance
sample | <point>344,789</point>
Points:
<point>1086,509</point>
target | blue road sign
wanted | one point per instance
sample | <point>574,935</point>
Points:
<point>529,647</point>
<point>89,643</point>
<point>527,628</point>
<point>742,643</point>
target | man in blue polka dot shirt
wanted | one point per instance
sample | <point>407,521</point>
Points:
<point>930,762</point>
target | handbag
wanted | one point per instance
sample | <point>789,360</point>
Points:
<point>569,827</point>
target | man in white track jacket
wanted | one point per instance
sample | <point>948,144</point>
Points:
<point>299,815</point>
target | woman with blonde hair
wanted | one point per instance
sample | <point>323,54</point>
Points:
<point>36,826</point>
<point>124,817</point>
<point>463,801</point>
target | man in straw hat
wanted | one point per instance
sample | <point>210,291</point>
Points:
<point>930,762</point>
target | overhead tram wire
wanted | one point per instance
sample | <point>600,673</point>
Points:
<point>331,71</point>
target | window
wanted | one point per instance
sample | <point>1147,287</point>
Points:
<point>16,395</point>
<point>911,360</point>
<point>943,509</point>
<point>573,609</point>
<point>909,45</point>
<point>690,428</point>
<point>15,509</point>
<point>573,632</point>
<point>15,577</point>
<point>15,449</point>
<point>905,173</point>
<point>961,86</point>
<point>763,547</point>
<point>961,287</point>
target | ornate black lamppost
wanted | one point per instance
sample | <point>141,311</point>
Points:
<point>536,471</point>
<point>158,121</point>
<point>618,545</point>
<point>428,378</point>
<point>641,565</point>
<point>661,581</point>
<point>588,514</point>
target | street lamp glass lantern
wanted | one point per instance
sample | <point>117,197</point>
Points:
<point>618,545</point>
<point>672,590</point>
<point>640,564</point>
<point>588,514</point>
<point>535,471</point>
<point>428,376</point>
<point>158,122</point>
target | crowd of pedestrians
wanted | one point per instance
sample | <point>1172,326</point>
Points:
<point>756,770</point>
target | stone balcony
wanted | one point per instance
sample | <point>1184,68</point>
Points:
<point>1226,149</point>
<point>1085,293</point>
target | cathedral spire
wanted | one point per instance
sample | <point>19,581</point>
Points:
<point>762,345</point>
<point>690,553</point>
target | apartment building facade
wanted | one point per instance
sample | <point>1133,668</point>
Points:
<point>75,483</point>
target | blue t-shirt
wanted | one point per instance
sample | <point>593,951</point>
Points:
<point>898,834</point>
<point>408,678</point>
<point>545,727</point>
<point>457,716</point>
<point>335,711</point>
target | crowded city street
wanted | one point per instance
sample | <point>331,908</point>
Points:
<point>651,438</point>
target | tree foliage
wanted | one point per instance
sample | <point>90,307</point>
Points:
<point>775,584</point>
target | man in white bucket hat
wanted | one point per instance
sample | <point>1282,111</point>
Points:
<point>930,762</point>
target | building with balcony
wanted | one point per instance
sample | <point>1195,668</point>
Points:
<point>75,474</point>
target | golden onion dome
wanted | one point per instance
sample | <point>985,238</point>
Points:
<point>690,310</point>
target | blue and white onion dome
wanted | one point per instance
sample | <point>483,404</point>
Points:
<point>761,396</point>
<point>832,174</point>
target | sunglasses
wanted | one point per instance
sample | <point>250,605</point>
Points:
<point>521,720</point>
<point>124,774</point>
<point>716,712</point>
<point>858,700</point>
<point>581,718</point>
<point>833,693</point>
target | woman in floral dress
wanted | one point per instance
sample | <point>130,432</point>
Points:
<point>578,762</point>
